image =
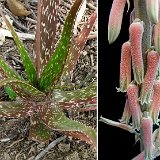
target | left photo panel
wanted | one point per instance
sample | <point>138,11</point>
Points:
<point>48,79</point>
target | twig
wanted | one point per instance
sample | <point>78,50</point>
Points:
<point>23,36</point>
<point>91,6</point>
<point>50,146</point>
<point>31,20</point>
<point>15,143</point>
<point>5,139</point>
<point>93,35</point>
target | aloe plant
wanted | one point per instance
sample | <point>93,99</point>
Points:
<point>40,95</point>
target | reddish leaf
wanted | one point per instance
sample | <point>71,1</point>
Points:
<point>54,118</point>
<point>38,131</point>
<point>15,109</point>
<point>45,32</point>
<point>23,89</point>
<point>78,45</point>
<point>72,98</point>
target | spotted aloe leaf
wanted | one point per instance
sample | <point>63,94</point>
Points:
<point>54,118</point>
<point>23,89</point>
<point>28,64</point>
<point>80,96</point>
<point>10,92</point>
<point>78,45</point>
<point>45,32</point>
<point>38,131</point>
<point>7,71</point>
<point>52,71</point>
<point>14,109</point>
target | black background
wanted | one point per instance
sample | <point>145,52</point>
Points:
<point>113,143</point>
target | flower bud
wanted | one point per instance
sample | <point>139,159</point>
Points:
<point>147,87</point>
<point>136,33</point>
<point>155,104</point>
<point>134,106</point>
<point>147,128</point>
<point>156,37</point>
<point>115,19</point>
<point>125,67</point>
<point>152,7</point>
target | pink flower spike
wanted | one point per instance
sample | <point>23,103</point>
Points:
<point>125,67</point>
<point>152,7</point>
<point>155,104</point>
<point>147,129</point>
<point>126,113</point>
<point>134,106</point>
<point>136,32</point>
<point>147,87</point>
<point>115,19</point>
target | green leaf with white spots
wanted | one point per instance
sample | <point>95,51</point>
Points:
<point>77,46</point>
<point>14,109</point>
<point>53,70</point>
<point>7,71</point>
<point>23,89</point>
<point>38,131</point>
<point>54,118</point>
<point>28,64</point>
<point>79,96</point>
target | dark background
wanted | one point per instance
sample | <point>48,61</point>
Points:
<point>113,143</point>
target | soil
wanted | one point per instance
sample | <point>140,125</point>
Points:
<point>14,144</point>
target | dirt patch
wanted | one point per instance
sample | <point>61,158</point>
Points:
<point>14,132</point>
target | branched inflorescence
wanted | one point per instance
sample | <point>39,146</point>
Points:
<point>142,106</point>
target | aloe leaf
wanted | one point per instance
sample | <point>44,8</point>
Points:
<point>45,32</point>
<point>24,90</point>
<point>38,131</point>
<point>28,65</point>
<point>14,109</point>
<point>10,92</point>
<point>70,98</point>
<point>77,46</point>
<point>52,71</point>
<point>7,71</point>
<point>53,117</point>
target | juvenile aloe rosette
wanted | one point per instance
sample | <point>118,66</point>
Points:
<point>41,96</point>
